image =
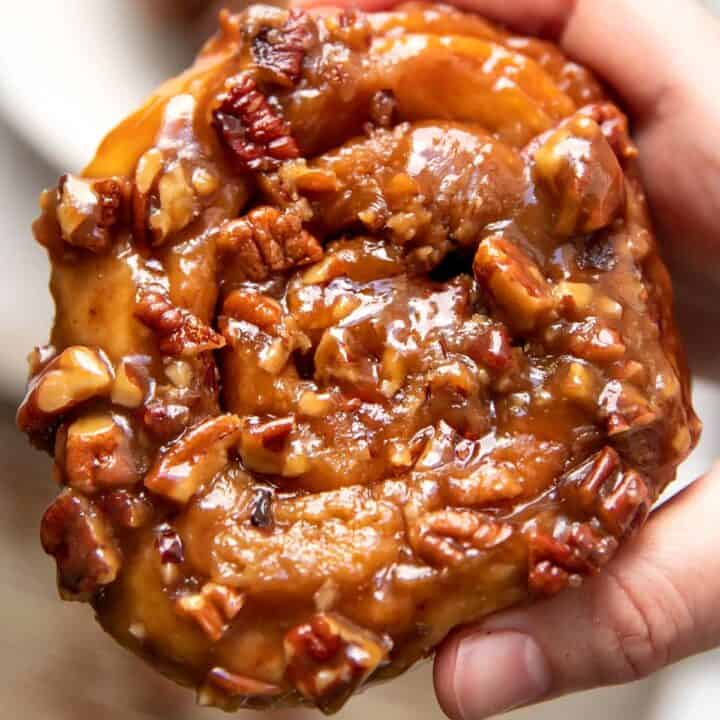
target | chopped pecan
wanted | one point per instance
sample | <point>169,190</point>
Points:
<point>131,382</point>
<point>615,127</point>
<point>487,343</point>
<point>626,408</point>
<point>257,137</point>
<point>577,167</point>
<point>263,447</point>
<point>176,204</point>
<point>126,509</point>
<point>75,533</point>
<point>89,211</point>
<point>194,458</point>
<point>448,537</point>
<point>279,52</point>
<point>212,608</point>
<point>514,282</point>
<point>179,331</point>
<point>96,453</point>
<point>267,241</point>
<point>591,340</point>
<point>165,420</point>
<point>328,658</point>
<point>619,497</point>
<point>558,562</point>
<point>254,308</point>
<point>578,383</point>
<point>77,374</point>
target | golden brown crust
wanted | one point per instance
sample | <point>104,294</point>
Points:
<point>343,360</point>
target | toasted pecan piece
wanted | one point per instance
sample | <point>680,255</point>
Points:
<point>77,535</point>
<point>194,458</point>
<point>179,331</point>
<point>257,137</point>
<point>267,241</point>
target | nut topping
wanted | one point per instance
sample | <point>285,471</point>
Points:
<point>514,282</point>
<point>257,137</point>
<point>448,537</point>
<point>130,383</point>
<point>125,508</point>
<point>578,168</point>
<point>556,562</point>
<point>212,608</point>
<point>97,453</point>
<point>267,241</point>
<point>264,444</point>
<point>179,332</point>
<point>77,374</point>
<point>328,658</point>
<point>89,211</point>
<point>279,52</point>
<point>254,308</point>
<point>75,533</point>
<point>602,486</point>
<point>194,458</point>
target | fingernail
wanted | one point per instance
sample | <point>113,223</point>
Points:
<point>496,672</point>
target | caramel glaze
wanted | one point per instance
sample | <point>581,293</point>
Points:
<point>361,334</point>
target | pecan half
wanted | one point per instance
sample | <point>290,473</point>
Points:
<point>267,241</point>
<point>448,537</point>
<point>194,458</point>
<point>257,137</point>
<point>96,452</point>
<point>125,508</point>
<point>279,52</point>
<point>179,332</point>
<point>77,374</point>
<point>514,282</point>
<point>558,562</point>
<point>212,608</point>
<point>254,308</point>
<point>328,658</point>
<point>74,532</point>
<point>90,211</point>
<point>601,486</point>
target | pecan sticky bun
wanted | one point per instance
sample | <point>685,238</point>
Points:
<point>362,333</point>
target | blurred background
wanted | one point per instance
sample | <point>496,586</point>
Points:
<point>68,72</point>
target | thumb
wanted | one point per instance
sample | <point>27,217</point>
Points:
<point>655,604</point>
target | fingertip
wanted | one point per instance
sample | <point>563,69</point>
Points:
<point>480,674</point>
<point>443,677</point>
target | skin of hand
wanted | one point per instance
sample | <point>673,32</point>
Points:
<point>657,601</point>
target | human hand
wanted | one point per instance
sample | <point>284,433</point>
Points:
<point>657,602</point>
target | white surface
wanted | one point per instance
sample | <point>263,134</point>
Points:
<point>67,76</point>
